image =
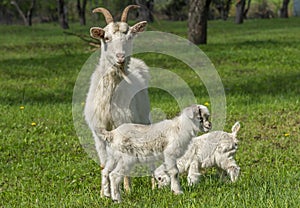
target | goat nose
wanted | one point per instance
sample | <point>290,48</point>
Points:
<point>120,57</point>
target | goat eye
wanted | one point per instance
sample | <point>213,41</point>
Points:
<point>107,39</point>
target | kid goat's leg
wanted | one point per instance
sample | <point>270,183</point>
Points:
<point>232,169</point>
<point>116,177</point>
<point>173,172</point>
<point>193,174</point>
<point>105,183</point>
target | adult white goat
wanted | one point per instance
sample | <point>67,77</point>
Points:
<point>104,107</point>
<point>215,148</point>
<point>130,144</point>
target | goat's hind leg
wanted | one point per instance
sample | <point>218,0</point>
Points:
<point>105,182</point>
<point>116,177</point>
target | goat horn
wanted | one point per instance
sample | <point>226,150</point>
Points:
<point>126,10</point>
<point>106,13</point>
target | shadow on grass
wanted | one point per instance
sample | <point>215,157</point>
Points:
<point>258,85</point>
<point>52,79</point>
<point>39,80</point>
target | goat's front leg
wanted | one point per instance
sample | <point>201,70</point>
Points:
<point>173,172</point>
<point>232,169</point>
<point>193,174</point>
<point>233,172</point>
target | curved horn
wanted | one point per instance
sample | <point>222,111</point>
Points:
<point>106,13</point>
<point>126,10</point>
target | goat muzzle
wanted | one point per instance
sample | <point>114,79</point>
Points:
<point>120,58</point>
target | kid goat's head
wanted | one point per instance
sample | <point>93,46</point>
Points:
<point>199,114</point>
<point>116,37</point>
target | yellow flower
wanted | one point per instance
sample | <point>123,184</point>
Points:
<point>286,134</point>
<point>33,124</point>
<point>22,107</point>
<point>206,103</point>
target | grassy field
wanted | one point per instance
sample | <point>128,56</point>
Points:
<point>42,163</point>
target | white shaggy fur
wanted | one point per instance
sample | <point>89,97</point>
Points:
<point>135,143</point>
<point>212,149</point>
<point>116,77</point>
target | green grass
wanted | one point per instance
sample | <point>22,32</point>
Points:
<point>45,165</point>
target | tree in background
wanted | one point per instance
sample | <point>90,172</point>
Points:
<point>223,7</point>
<point>28,17</point>
<point>246,10</point>
<point>284,9</point>
<point>62,14</point>
<point>145,10</point>
<point>239,13</point>
<point>173,9</point>
<point>197,21</point>
<point>81,11</point>
<point>296,8</point>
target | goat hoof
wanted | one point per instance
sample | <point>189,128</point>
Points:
<point>117,201</point>
<point>105,196</point>
<point>178,192</point>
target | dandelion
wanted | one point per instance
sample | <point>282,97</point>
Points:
<point>286,134</point>
<point>33,124</point>
<point>22,107</point>
<point>206,103</point>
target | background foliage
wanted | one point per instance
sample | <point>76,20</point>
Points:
<point>46,11</point>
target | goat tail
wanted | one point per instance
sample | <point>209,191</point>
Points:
<point>104,134</point>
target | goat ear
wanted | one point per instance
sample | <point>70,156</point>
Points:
<point>97,32</point>
<point>235,128</point>
<point>189,112</point>
<point>138,27</point>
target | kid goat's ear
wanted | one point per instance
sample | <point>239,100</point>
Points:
<point>138,27</point>
<point>235,128</point>
<point>189,112</point>
<point>97,32</point>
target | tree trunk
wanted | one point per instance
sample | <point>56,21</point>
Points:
<point>197,21</point>
<point>29,13</point>
<point>28,18</point>
<point>145,10</point>
<point>20,12</point>
<point>62,14</point>
<point>247,9</point>
<point>226,10</point>
<point>223,8</point>
<point>239,15</point>
<point>81,11</point>
<point>296,10</point>
<point>284,9</point>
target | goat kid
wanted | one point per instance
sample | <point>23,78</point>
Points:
<point>212,149</point>
<point>130,144</point>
